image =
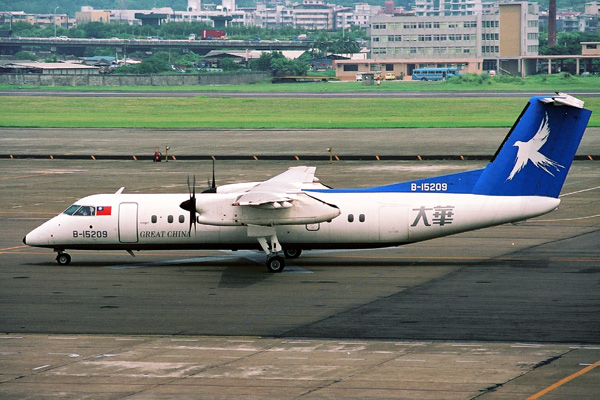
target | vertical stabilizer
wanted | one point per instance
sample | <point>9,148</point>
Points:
<point>537,153</point>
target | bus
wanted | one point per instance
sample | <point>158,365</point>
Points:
<point>433,74</point>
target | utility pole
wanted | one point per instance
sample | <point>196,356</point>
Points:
<point>55,21</point>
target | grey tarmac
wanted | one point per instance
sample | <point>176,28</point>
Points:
<point>502,313</point>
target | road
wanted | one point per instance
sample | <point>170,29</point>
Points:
<point>501,313</point>
<point>323,92</point>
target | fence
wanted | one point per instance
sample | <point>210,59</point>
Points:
<point>134,80</point>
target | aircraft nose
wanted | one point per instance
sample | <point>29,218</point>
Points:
<point>37,237</point>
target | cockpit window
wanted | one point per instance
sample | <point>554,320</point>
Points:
<point>80,210</point>
<point>71,210</point>
<point>86,210</point>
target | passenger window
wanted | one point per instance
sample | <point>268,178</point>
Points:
<point>350,217</point>
<point>86,210</point>
<point>170,219</point>
<point>154,219</point>
<point>361,217</point>
<point>181,219</point>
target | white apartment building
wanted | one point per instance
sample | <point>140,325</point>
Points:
<point>313,14</point>
<point>359,16</point>
<point>425,8</point>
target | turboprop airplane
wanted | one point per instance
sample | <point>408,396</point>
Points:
<point>292,211</point>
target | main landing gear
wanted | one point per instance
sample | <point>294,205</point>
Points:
<point>63,258</point>
<point>267,238</point>
<point>276,263</point>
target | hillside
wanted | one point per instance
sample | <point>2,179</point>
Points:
<point>71,6</point>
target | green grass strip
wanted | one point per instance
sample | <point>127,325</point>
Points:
<point>263,113</point>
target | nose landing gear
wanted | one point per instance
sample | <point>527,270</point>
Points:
<point>63,258</point>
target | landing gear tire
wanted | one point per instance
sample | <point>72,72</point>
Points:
<point>292,252</point>
<point>63,259</point>
<point>275,264</point>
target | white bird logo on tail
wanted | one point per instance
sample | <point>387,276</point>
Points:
<point>530,151</point>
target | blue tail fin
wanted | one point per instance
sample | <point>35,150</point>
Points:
<point>537,153</point>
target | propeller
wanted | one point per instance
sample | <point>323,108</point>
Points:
<point>212,188</point>
<point>190,204</point>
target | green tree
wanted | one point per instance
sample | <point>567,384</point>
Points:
<point>566,43</point>
<point>25,55</point>
<point>282,66</point>
<point>228,64</point>
<point>263,63</point>
<point>344,45</point>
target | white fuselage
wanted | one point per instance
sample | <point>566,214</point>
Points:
<point>367,219</point>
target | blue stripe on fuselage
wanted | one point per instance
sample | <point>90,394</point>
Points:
<point>461,182</point>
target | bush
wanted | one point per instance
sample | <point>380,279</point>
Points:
<point>25,55</point>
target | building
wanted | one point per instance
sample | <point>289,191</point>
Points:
<point>437,8</point>
<point>43,20</point>
<point>472,42</point>
<point>570,21</point>
<point>359,16</point>
<point>88,14</point>
<point>50,68</point>
<point>313,15</point>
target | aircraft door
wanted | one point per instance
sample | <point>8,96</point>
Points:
<point>393,223</point>
<point>128,222</point>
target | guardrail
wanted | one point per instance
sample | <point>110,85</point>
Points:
<point>205,45</point>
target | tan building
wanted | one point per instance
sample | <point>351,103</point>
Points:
<point>349,70</point>
<point>590,48</point>
<point>88,14</point>
<point>518,37</point>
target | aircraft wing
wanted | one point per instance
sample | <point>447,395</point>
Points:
<point>280,189</point>
<point>276,201</point>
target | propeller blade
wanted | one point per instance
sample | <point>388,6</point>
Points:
<point>190,204</point>
<point>212,187</point>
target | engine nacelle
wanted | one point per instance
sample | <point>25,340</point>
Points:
<point>303,209</point>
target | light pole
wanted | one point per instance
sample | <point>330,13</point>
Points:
<point>55,21</point>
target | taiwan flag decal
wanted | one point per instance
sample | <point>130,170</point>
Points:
<point>103,210</point>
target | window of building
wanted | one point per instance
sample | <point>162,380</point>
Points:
<point>351,67</point>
